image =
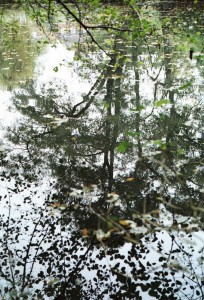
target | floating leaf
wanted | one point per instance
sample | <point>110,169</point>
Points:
<point>62,207</point>
<point>100,235</point>
<point>123,222</point>
<point>85,232</point>
<point>59,206</point>
<point>127,223</point>
<point>130,179</point>
<point>55,69</point>
<point>117,203</point>
<point>138,229</point>
<point>52,281</point>
<point>55,205</point>
<point>112,197</point>
<point>108,42</point>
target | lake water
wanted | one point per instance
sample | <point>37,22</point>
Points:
<point>102,158</point>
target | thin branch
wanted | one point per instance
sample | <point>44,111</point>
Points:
<point>108,27</point>
<point>24,283</point>
<point>83,26</point>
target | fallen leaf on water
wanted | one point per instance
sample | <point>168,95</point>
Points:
<point>59,206</point>
<point>126,222</point>
<point>55,204</point>
<point>112,197</point>
<point>129,179</point>
<point>85,232</point>
<point>101,235</point>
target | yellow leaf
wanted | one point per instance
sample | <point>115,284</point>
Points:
<point>129,179</point>
<point>155,213</point>
<point>55,204</point>
<point>85,232</point>
<point>59,206</point>
<point>127,223</point>
<point>123,222</point>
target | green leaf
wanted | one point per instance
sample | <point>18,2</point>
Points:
<point>161,102</point>
<point>108,42</point>
<point>137,108</point>
<point>181,151</point>
<point>185,86</point>
<point>122,147</point>
<point>106,105</point>
<point>160,144</point>
<point>55,69</point>
<point>131,133</point>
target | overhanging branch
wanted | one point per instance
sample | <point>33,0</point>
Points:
<point>87,27</point>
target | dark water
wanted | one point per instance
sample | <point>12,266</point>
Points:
<point>99,150</point>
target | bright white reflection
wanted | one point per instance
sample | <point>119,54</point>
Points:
<point>55,65</point>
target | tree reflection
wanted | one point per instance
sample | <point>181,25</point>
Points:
<point>17,49</point>
<point>42,256</point>
<point>155,131</point>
